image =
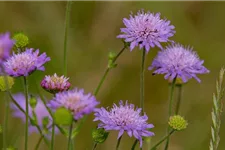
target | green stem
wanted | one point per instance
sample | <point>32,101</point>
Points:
<point>5,123</point>
<point>179,99</point>
<point>69,138</point>
<point>39,143</point>
<point>162,140</point>
<point>118,143</point>
<point>94,146</point>
<point>134,145</point>
<point>67,19</point>
<point>22,110</point>
<point>27,113</point>
<point>142,78</point>
<point>53,135</point>
<point>107,71</point>
<point>170,110</point>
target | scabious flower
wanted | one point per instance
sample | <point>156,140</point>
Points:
<point>55,84</point>
<point>76,101</point>
<point>124,118</point>
<point>40,111</point>
<point>6,44</point>
<point>146,30</point>
<point>25,63</point>
<point>178,61</point>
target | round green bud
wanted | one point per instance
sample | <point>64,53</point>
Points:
<point>21,40</point>
<point>177,123</point>
<point>99,135</point>
<point>33,102</point>
<point>63,116</point>
<point>5,82</point>
<point>112,55</point>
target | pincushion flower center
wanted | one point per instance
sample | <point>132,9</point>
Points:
<point>71,102</point>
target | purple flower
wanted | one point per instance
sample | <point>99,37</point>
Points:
<point>55,84</point>
<point>146,30</point>
<point>178,61</point>
<point>76,101</point>
<point>40,111</point>
<point>124,118</point>
<point>25,63</point>
<point>6,45</point>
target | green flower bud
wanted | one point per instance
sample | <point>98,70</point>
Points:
<point>112,55</point>
<point>6,81</point>
<point>21,40</point>
<point>45,121</point>
<point>178,123</point>
<point>63,116</point>
<point>99,135</point>
<point>33,102</point>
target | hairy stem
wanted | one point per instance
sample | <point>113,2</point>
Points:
<point>118,143</point>
<point>142,78</point>
<point>67,20</point>
<point>179,99</point>
<point>38,143</point>
<point>94,146</point>
<point>70,134</point>
<point>134,145</point>
<point>27,113</point>
<point>170,110</point>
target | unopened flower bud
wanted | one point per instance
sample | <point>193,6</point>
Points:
<point>33,102</point>
<point>99,135</point>
<point>21,40</point>
<point>178,123</point>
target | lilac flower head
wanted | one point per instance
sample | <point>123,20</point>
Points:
<point>124,118</point>
<point>55,84</point>
<point>146,30</point>
<point>76,101</point>
<point>25,63</point>
<point>40,111</point>
<point>178,61</point>
<point>6,45</point>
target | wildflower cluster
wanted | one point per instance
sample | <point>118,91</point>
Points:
<point>67,106</point>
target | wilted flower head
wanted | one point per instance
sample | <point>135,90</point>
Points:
<point>124,118</point>
<point>6,45</point>
<point>55,84</point>
<point>146,30</point>
<point>178,61</point>
<point>76,101</point>
<point>40,111</point>
<point>23,64</point>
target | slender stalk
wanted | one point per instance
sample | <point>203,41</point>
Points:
<point>94,146</point>
<point>170,109</point>
<point>27,113</point>
<point>118,143</point>
<point>38,143</point>
<point>5,123</point>
<point>134,145</point>
<point>22,110</point>
<point>162,140</point>
<point>69,138</point>
<point>179,99</point>
<point>107,71</point>
<point>142,78</point>
<point>53,135</point>
<point>67,20</point>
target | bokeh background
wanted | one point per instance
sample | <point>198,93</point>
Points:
<point>92,35</point>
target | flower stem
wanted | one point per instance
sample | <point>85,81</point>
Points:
<point>142,78</point>
<point>179,99</point>
<point>118,143</point>
<point>39,143</point>
<point>67,19</point>
<point>69,138</point>
<point>162,140</point>
<point>5,122</point>
<point>107,71</point>
<point>53,135</point>
<point>170,110</point>
<point>134,145</point>
<point>95,146</point>
<point>27,113</point>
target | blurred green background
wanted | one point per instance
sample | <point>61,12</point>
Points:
<point>92,34</point>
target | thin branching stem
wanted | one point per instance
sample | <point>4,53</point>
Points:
<point>27,112</point>
<point>179,99</point>
<point>118,143</point>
